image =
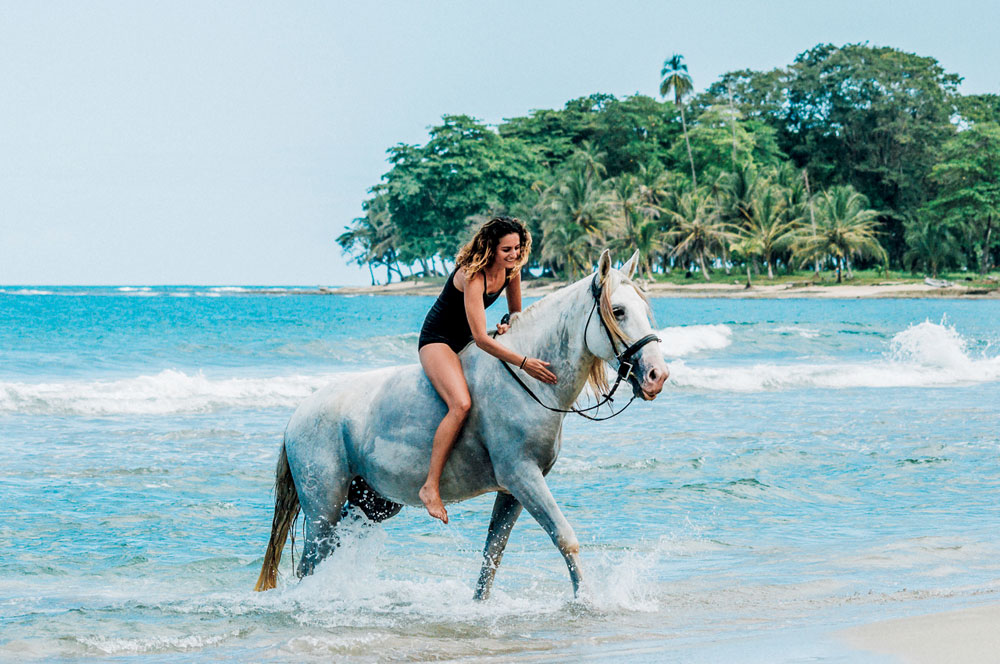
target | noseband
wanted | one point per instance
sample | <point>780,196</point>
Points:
<point>626,367</point>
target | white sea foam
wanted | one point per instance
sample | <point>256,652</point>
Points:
<point>924,355</point>
<point>366,583</point>
<point>931,345</point>
<point>138,291</point>
<point>169,391</point>
<point>28,291</point>
<point>686,340</point>
<point>151,644</point>
<point>795,330</point>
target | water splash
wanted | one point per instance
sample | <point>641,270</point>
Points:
<point>931,344</point>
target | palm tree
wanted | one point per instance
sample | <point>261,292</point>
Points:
<point>697,231</point>
<point>578,215</point>
<point>589,157</point>
<point>768,227</point>
<point>930,244</point>
<point>372,239</point>
<point>677,80</point>
<point>737,190</point>
<point>845,227</point>
<point>638,220</point>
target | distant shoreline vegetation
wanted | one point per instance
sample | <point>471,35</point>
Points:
<point>852,157</point>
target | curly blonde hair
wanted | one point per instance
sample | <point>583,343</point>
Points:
<point>479,252</point>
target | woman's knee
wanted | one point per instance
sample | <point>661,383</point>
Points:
<point>460,406</point>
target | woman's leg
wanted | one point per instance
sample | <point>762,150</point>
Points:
<point>442,366</point>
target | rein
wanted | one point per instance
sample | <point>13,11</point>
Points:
<point>625,365</point>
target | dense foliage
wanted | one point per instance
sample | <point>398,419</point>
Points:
<point>851,156</point>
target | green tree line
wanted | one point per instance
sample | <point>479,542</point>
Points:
<point>850,157</point>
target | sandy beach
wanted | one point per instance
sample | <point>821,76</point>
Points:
<point>888,289</point>
<point>966,636</point>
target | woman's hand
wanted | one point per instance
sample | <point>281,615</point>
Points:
<point>502,327</point>
<point>538,369</point>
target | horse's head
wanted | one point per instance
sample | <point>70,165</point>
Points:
<point>624,337</point>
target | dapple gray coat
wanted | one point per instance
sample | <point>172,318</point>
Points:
<point>379,425</point>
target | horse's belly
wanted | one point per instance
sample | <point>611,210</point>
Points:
<point>396,469</point>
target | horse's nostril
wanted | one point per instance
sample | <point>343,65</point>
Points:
<point>656,376</point>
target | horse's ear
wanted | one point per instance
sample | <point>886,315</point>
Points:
<point>604,266</point>
<point>629,268</point>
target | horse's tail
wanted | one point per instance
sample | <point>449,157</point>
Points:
<point>286,507</point>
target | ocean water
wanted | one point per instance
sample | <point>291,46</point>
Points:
<point>810,465</point>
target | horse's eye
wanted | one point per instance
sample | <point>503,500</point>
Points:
<point>619,312</point>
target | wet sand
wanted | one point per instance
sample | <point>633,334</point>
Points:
<point>966,636</point>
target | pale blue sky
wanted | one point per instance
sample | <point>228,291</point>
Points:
<point>230,142</point>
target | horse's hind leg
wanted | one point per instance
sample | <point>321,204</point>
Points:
<point>323,485</point>
<point>506,509</point>
<point>320,539</point>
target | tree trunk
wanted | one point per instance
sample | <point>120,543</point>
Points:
<point>984,265</point>
<point>372,273</point>
<point>704,268</point>
<point>839,262</point>
<point>694,178</point>
<point>732,122</point>
<point>749,285</point>
<point>812,215</point>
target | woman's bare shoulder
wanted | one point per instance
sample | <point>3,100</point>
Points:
<point>463,281</point>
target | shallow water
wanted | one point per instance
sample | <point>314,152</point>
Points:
<point>811,465</point>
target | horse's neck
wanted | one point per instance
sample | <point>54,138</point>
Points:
<point>553,330</point>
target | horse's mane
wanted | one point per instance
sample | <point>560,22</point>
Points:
<point>597,375</point>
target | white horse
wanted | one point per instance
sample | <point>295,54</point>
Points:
<point>366,440</point>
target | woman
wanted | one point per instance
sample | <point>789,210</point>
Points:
<point>490,262</point>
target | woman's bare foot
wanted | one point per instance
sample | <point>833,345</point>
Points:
<point>431,499</point>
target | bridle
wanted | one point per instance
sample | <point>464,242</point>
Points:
<point>626,365</point>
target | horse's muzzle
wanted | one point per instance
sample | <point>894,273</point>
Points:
<point>652,382</point>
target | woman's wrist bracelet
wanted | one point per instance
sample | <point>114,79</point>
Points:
<point>523,361</point>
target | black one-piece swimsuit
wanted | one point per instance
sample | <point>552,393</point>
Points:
<point>446,322</point>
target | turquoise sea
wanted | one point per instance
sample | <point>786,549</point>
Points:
<point>811,465</point>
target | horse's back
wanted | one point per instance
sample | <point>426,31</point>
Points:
<point>380,425</point>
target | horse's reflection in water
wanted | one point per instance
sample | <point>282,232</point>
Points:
<point>367,439</point>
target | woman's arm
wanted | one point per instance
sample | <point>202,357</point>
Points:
<point>514,293</point>
<point>513,300</point>
<point>476,314</point>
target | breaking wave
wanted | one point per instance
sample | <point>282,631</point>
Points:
<point>923,355</point>
<point>169,391</point>
<point>690,339</point>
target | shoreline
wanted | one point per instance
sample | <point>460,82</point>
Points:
<point>968,635</point>
<point>887,290</point>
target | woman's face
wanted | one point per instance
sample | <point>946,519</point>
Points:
<point>508,251</point>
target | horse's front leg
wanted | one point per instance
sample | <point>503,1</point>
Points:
<point>506,509</point>
<point>527,484</point>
